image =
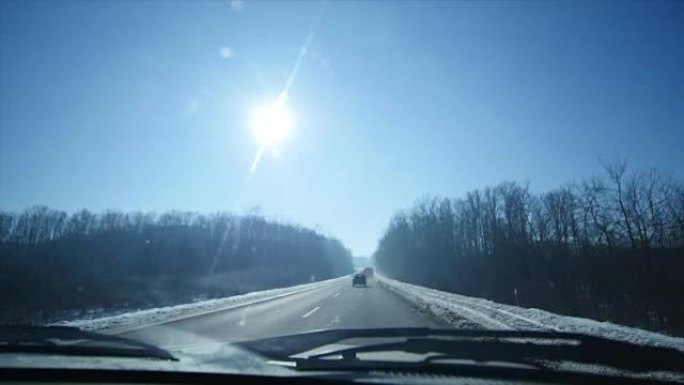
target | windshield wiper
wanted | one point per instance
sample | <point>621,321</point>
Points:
<point>71,341</point>
<point>519,347</point>
<point>581,350</point>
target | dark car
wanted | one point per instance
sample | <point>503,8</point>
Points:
<point>359,280</point>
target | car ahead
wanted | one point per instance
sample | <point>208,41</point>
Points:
<point>359,280</point>
<point>337,356</point>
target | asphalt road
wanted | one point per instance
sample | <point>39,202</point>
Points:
<point>337,305</point>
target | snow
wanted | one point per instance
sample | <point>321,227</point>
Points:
<point>454,308</point>
<point>458,310</point>
<point>138,319</point>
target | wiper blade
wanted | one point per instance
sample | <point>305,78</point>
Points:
<point>72,341</point>
<point>506,373</point>
<point>583,350</point>
<point>484,345</point>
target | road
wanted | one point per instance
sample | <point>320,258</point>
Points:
<point>337,305</point>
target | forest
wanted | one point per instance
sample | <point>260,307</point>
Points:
<point>57,265</point>
<point>610,247</point>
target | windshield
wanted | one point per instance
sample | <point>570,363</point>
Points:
<point>209,172</point>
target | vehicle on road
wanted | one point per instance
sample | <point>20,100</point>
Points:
<point>342,356</point>
<point>359,280</point>
<point>199,192</point>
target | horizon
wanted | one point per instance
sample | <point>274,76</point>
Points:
<point>139,107</point>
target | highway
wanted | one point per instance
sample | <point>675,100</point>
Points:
<point>337,305</point>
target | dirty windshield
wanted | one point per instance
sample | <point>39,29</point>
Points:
<point>177,172</point>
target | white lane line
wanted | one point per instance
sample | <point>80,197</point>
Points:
<point>308,313</point>
<point>116,330</point>
<point>335,320</point>
<point>243,317</point>
<point>337,294</point>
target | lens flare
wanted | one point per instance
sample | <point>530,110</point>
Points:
<point>272,124</point>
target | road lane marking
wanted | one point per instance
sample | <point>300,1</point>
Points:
<point>337,294</point>
<point>243,317</point>
<point>335,320</point>
<point>311,312</point>
<point>124,329</point>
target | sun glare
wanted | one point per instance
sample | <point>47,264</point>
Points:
<point>272,124</point>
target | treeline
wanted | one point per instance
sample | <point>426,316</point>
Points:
<point>56,265</point>
<point>610,247</point>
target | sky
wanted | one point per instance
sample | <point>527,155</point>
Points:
<point>149,105</point>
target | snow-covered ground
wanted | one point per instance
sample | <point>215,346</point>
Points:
<point>130,321</point>
<point>484,313</point>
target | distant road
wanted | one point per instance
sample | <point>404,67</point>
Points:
<point>333,306</point>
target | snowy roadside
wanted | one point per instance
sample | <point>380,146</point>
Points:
<point>138,319</point>
<point>454,308</point>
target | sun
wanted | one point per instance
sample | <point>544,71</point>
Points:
<point>272,123</point>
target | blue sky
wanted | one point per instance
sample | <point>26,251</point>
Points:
<point>145,105</point>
